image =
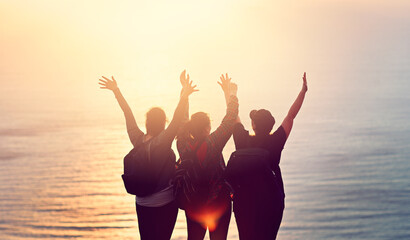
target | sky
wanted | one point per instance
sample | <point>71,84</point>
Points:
<point>57,50</point>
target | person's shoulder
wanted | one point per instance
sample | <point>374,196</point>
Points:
<point>278,138</point>
<point>239,132</point>
<point>239,129</point>
<point>184,142</point>
<point>279,132</point>
<point>209,142</point>
<point>158,140</point>
<point>238,126</point>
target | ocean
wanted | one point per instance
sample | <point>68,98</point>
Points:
<point>345,165</point>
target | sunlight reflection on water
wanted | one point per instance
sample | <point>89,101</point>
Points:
<point>64,180</point>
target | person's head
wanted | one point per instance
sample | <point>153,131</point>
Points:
<point>155,121</point>
<point>199,125</point>
<point>262,121</point>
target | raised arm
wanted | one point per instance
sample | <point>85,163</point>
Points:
<point>222,134</point>
<point>225,84</point>
<point>293,111</point>
<point>184,79</point>
<point>134,133</point>
<point>183,132</point>
<point>181,112</point>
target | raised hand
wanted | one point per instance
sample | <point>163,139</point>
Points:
<point>225,83</point>
<point>107,83</point>
<point>184,79</point>
<point>305,87</point>
<point>188,89</point>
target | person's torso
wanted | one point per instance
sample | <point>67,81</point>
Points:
<point>272,144</point>
<point>211,162</point>
<point>163,159</point>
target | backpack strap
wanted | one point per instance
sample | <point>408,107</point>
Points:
<point>148,149</point>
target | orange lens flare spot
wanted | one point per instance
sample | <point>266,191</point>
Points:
<point>208,217</point>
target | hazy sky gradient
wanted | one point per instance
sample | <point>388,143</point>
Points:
<point>55,51</point>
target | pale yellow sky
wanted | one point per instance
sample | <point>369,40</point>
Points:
<point>60,48</point>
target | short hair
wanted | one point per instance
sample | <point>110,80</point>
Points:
<point>263,121</point>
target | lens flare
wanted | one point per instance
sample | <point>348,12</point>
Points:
<point>207,216</point>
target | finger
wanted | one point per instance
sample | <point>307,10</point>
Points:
<point>182,74</point>
<point>193,87</point>
<point>103,87</point>
<point>220,84</point>
<point>103,81</point>
<point>113,79</point>
<point>103,84</point>
<point>106,78</point>
<point>187,77</point>
<point>190,83</point>
<point>227,78</point>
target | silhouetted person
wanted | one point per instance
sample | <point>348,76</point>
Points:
<point>156,213</point>
<point>213,210</point>
<point>259,209</point>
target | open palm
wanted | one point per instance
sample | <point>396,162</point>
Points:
<point>107,83</point>
<point>225,82</point>
<point>188,89</point>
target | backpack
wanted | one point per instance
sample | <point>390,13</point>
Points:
<point>191,186</point>
<point>140,175</point>
<point>248,171</point>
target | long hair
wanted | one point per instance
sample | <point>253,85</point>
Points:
<point>198,124</point>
